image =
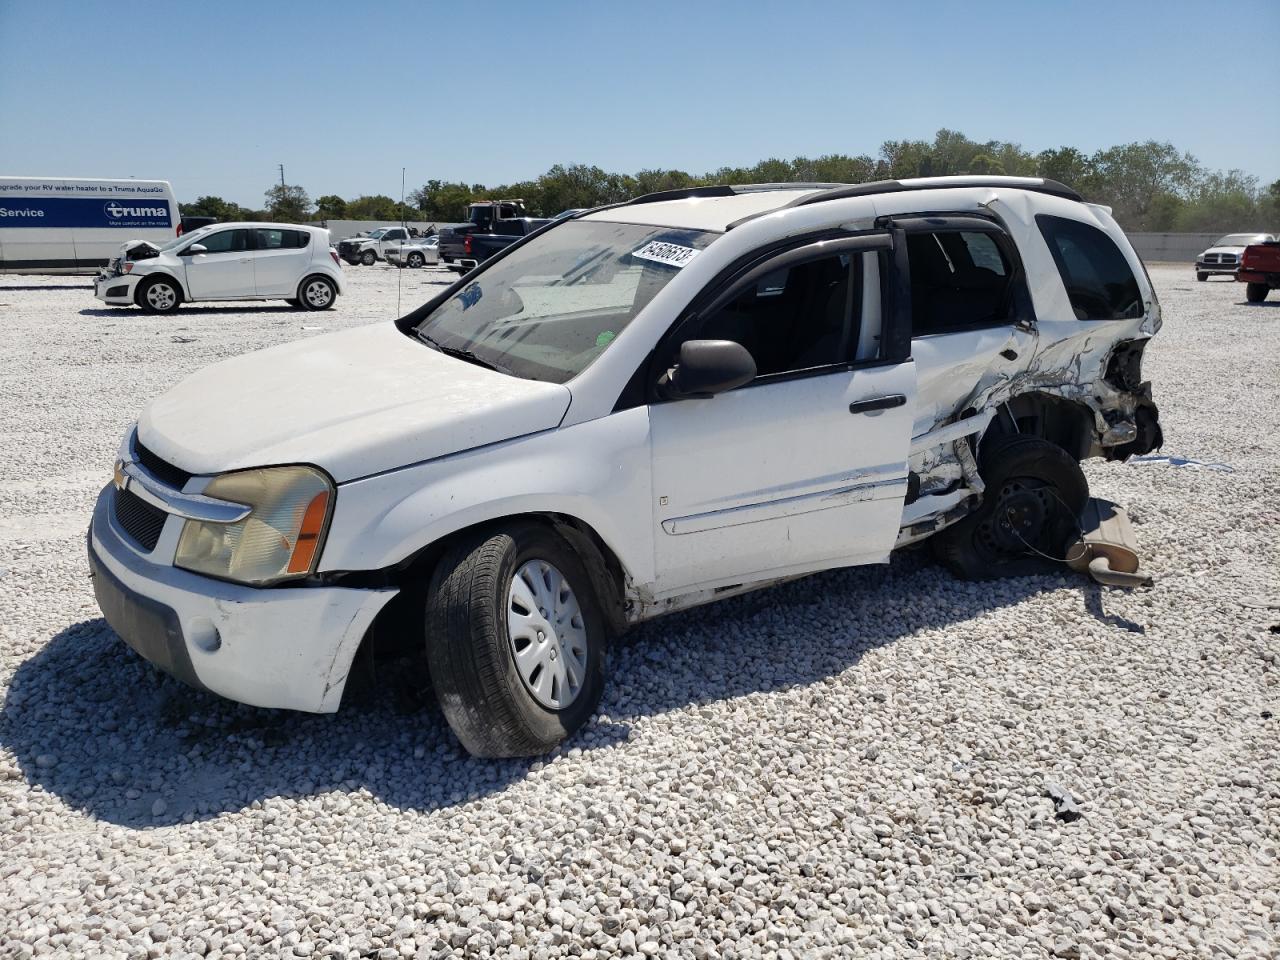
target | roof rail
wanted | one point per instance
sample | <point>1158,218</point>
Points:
<point>684,193</point>
<point>1033,184</point>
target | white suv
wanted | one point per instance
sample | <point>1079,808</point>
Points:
<point>225,261</point>
<point>637,409</point>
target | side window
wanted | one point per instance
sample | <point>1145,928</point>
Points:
<point>297,238</point>
<point>226,241</point>
<point>796,318</point>
<point>1099,283</point>
<point>959,280</point>
<point>271,239</point>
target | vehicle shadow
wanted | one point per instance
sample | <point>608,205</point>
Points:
<point>92,723</point>
<point>191,309</point>
<point>47,286</point>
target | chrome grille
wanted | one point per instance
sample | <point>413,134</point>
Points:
<point>139,519</point>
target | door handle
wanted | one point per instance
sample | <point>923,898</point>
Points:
<point>878,403</point>
<point>246,260</point>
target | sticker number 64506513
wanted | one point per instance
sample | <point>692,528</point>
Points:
<point>671,254</point>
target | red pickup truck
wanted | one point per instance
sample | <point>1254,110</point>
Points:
<point>1260,269</point>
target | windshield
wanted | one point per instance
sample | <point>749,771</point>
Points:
<point>191,237</point>
<point>549,308</point>
<point>1241,239</point>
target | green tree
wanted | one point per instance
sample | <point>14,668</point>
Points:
<point>1134,178</point>
<point>1066,165</point>
<point>376,207</point>
<point>331,207</point>
<point>288,204</point>
<point>222,210</point>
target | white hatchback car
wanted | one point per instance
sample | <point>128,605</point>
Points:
<point>225,261</point>
<point>634,410</point>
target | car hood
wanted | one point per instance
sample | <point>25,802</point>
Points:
<point>1235,250</point>
<point>354,403</point>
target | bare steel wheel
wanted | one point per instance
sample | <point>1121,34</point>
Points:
<point>317,293</point>
<point>547,633</point>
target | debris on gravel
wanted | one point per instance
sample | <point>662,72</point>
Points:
<point>853,764</point>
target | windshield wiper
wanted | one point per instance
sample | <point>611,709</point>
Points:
<point>462,354</point>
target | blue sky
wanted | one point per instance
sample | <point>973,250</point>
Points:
<point>211,96</point>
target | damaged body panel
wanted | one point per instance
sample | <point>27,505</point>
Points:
<point>664,402</point>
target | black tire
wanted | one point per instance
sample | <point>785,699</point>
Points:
<point>1035,493</point>
<point>1202,277</point>
<point>368,258</point>
<point>317,292</point>
<point>1255,292</point>
<point>471,656</point>
<point>159,294</point>
<point>415,260</point>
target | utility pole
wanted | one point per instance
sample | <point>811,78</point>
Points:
<point>281,166</point>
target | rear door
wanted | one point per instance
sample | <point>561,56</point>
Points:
<point>804,467</point>
<point>971,313</point>
<point>224,271</point>
<point>280,258</point>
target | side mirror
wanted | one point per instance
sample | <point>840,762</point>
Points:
<point>194,249</point>
<point>707,367</point>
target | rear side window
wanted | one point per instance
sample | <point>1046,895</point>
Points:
<point>281,239</point>
<point>1099,283</point>
<point>960,280</point>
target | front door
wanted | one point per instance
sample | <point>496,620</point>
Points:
<point>224,270</point>
<point>804,467</point>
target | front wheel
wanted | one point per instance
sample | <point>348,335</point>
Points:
<point>1035,493</point>
<point>416,260</point>
<point>1202,277</point>
<point>515,641</point>
<point>159,295</point>
<point>1255,292</point>
<point>317,293</point>
<point>368,258</point>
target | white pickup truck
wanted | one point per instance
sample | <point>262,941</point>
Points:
<point>640,408</point>
<point>368,249</point>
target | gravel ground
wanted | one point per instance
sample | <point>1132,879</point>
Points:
<point>852,764</point>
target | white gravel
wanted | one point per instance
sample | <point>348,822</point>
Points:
<point>853,764</point>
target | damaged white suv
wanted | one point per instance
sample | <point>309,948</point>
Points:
<point>634,410</point>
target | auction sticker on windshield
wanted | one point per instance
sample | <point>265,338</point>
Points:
<point>670,254</point>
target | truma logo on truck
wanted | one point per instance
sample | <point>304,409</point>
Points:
<point>137,215</point>
<point>83,212</point>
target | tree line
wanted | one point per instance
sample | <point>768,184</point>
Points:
<point>1150,186</point>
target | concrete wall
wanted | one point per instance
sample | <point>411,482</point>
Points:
<point>341,229</point>
<point>1175,247</point>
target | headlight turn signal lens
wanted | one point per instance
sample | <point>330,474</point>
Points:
<point>280,538</point>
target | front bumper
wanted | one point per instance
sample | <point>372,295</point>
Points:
<point>116,291</point>
<point>286,647</point>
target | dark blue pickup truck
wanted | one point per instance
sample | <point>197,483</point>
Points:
<point>491,226</point>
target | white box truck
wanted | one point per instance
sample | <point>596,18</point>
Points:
<point>70,225</point>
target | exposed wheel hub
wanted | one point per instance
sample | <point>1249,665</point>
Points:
<point>1020,518</point>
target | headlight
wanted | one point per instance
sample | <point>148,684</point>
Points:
<point>279,539</point>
